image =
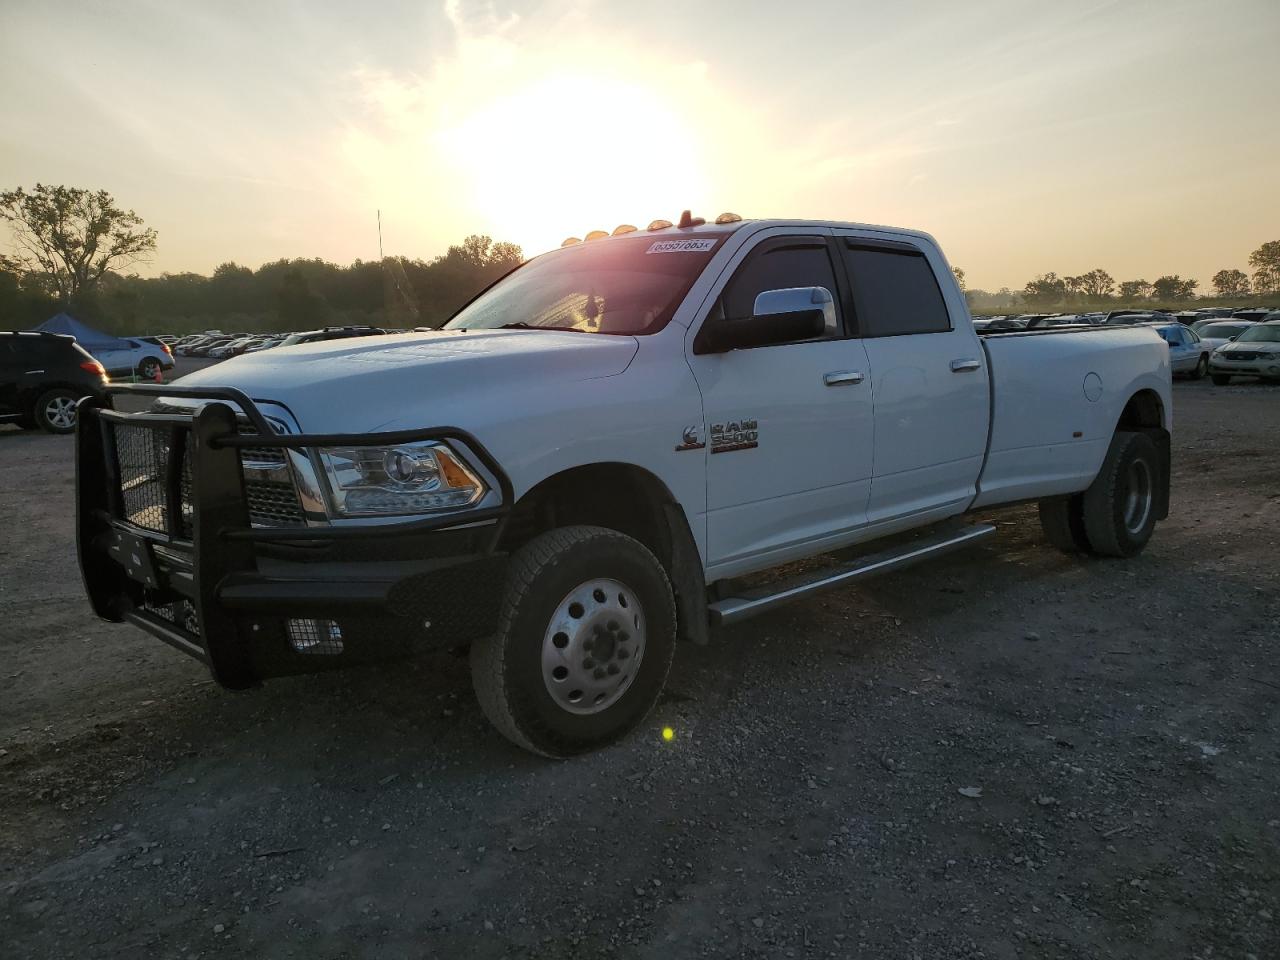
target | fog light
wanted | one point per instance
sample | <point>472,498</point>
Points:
<point>315,636</point>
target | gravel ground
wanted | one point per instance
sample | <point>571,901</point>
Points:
<point>1005,753</point>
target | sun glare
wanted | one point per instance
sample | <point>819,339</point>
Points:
<point>575,153</point>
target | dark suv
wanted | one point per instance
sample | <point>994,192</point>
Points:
<point>331,333</point>
<point>42,376</point>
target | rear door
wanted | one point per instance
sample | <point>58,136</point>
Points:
<point>788,427</point>
<point>930,378</point>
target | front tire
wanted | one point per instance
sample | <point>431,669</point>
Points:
<point>584,642</point>
<point>1120,505</point>
<point>55,411</point>
<point>1221,379</point>
<point>1202,367</point>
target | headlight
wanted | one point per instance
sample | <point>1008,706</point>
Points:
<point>1269,356</point>
<point>404,478</point>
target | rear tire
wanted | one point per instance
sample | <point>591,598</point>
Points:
<point>1062,520</point>
<point>1120,506</point>
<point>55,411</point>
<point>1221,379</point>
<point>584,642</point>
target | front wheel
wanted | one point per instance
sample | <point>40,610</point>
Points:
<point>584,642</point>
<point>55,411</point>
<point>1221,379</point>
<point>1202,367</point>
<point>1119,508</point>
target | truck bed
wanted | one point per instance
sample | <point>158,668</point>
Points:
<point>1056,397</point>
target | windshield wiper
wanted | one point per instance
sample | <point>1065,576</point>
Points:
<point>521,325</point>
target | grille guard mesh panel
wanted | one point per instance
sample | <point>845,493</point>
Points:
<point>143,453</point>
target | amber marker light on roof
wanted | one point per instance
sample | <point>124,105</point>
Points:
<point>658,224</point>
<point>595,235</point>
<point>623,228</point>
<point>728,218</point>
<point>570,241</point>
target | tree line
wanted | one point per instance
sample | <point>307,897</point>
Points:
<point>1099,288</point>
<point>73,247</point>
<point>72,250</point>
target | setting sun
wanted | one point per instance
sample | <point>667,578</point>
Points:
<point>574,153</point>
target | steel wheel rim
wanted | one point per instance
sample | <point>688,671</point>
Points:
<point>1139,495</point>
<point>593,646</point>
<point>61,412</point>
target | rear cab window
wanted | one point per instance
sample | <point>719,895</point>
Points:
<point>895,291</point>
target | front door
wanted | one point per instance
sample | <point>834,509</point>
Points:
<point>789,426</point>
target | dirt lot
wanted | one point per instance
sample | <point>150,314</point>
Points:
<point>1119,718</point>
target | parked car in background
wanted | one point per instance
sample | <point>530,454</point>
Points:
<point>1272,317</point>
<point>264,344</point>
<point>204,349</point>
<point>147,369</point>
<point>42,378</point>
<point>232,349</point>
<point>330,333</point>
<point>1250,313</point>
<point>1118,317</point>
<point>1211,313</point>
<point>1219,332</point>
<point>187,344</point>
<point>134,355</point>
<point>1188,354</point>
<point>1004,323</point>
<point>1059,320</point>
<point>1255,353</point>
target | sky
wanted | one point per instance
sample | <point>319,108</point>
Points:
<point>1140,137</point>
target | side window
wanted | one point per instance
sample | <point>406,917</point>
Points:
<point>778,265</point>
<point>894,292</point>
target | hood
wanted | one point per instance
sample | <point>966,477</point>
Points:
<point>1251,346</point>
<point>385,382</point>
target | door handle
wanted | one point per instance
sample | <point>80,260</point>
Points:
<point>841,376</point>
<point>30,373</point>
<point>964,366</point>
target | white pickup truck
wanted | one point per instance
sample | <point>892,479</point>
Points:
<point>582,466</point>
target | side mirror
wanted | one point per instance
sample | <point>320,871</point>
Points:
<point>779,316</point>
<point>1229,339</point>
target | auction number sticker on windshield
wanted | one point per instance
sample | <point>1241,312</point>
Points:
<point>682,246</point>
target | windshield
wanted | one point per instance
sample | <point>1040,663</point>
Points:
<point>626,286</point>
<point>1222,331</point>
<point>1262,332</point>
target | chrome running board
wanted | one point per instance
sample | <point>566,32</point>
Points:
<point>730,610</point>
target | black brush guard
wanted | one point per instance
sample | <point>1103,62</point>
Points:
<point>253,602</point>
